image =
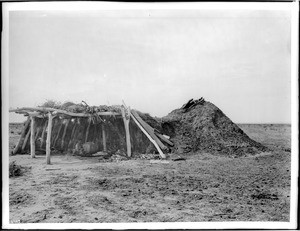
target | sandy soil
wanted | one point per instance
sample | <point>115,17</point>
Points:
<point>203,187</point>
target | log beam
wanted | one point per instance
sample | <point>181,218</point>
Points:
<point>26,140</point>
<point>126,118</point>
<point>38,130</point>
<point>149,137</point>
<point>23,134</point>
<point>43,134</point>
<point>149,129</point>
<point>72,137</point>
<point>46,109</point>
<point>104,138</point>
<point>73,130</point>
<point>48,142</point>
<point>164,139</point>
<point>34,113</point>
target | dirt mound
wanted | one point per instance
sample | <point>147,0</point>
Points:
<point>204,127</point>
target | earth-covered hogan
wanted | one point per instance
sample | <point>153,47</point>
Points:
<point>84,130</point>
<point>201,126</point>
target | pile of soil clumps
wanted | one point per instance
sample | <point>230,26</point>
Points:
<point>204,127</point>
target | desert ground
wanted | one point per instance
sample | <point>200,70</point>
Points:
<point>199,187</point>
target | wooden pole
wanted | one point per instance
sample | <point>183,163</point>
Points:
<point>70,143</point>
<point>149,137</point>
<point>53,125</point>
<point>26,140</point>
<point>88,130</point>
<point>48,142</point>
<point>23,134</point>
<point>41,110</point>
<point>43,134</point>
<point>104,138</point>
<point>149,129</point>
<point>126,118</point>
<point>32,139</point>
<point>164,139</point>
<point>64,134</point>
<point>57,136</point>
<point>73,130</point>
<point>37,133</point>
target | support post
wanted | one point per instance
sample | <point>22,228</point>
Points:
<point>126,118</point>
<point>48,142</point>
<point>32,138</point>
<point>104,138</point>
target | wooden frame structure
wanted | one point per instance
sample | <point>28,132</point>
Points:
<point>45,112</point>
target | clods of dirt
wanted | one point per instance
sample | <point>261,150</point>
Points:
<point>20,197</point>
<point>136,214</point>
<point>265,196</point>
<point>206,128</point>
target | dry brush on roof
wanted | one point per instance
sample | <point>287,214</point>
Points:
<point>75,125</point>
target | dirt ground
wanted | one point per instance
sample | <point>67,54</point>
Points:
<point>203,187</point>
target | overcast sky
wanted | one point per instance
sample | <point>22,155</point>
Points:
<point>154,60</point>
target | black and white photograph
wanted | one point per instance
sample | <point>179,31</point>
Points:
<point>126,115</point>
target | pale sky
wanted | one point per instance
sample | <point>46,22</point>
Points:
<point>154,60</point>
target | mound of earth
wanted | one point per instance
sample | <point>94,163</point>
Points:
<point>204,127</point>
